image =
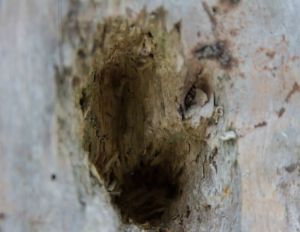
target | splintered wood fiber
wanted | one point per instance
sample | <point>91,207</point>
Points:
<point>135,131</point>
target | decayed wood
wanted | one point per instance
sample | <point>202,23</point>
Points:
<point>45,183</point>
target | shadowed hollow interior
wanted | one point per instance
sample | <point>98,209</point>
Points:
<point>133,131</point>
<point>140,167</point>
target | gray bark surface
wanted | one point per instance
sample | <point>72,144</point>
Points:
<point>45,182</point>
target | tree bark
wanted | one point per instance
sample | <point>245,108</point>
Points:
<point>47,183</point>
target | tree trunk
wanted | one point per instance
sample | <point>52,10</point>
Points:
<point>246,176</point>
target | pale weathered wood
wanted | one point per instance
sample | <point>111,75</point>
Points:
<point>30,198</point>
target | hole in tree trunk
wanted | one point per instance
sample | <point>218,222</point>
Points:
<point>133,132</point>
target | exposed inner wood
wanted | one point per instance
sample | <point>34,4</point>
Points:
<point>134,133</point>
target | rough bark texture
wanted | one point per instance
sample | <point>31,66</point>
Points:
<point>248,183</point>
